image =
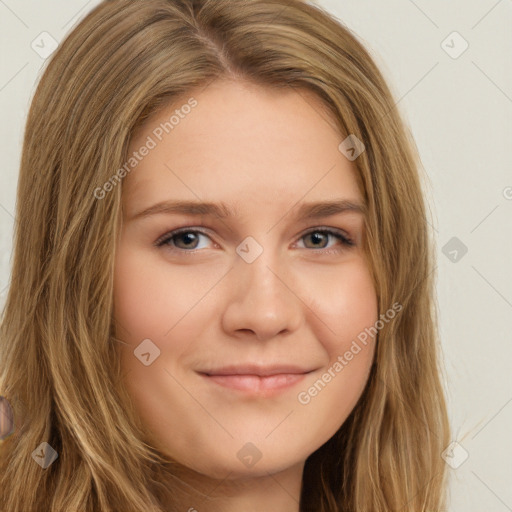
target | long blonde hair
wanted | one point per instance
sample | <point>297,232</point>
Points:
<point>59,360</point>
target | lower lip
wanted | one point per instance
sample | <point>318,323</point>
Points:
<point>256,384</point>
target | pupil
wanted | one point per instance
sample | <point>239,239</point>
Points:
<point>188,238</point>
<point>316,237</point>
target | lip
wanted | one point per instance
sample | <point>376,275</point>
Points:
<point>258,370</point>
<point>254,379</point>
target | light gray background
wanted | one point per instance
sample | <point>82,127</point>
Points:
<point>459,110</point>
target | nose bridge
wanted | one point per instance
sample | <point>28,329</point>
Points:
<point>261,299</point>
<point>264,285</point>
<point>262,275</point>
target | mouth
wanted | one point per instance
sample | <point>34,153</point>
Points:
<point>264,381</point>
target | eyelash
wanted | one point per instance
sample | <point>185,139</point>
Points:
<point>168,237</point>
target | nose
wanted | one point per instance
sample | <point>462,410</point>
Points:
<point>262,300</point>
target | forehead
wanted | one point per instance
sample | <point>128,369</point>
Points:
<point>240,143</point>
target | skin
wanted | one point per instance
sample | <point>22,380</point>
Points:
<point>264,153</point>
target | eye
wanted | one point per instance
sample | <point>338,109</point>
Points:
<point>188,240</point>
<point>188,236</point>
<point>321,235</point>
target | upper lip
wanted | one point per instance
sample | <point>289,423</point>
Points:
<point>260,370</point>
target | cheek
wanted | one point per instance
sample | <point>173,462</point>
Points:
<point>147,308</point>
<point>153,301</point>
<point>347,308</point>
<point>150,297</point>
<point>142,311</point>
<point>346,311</point>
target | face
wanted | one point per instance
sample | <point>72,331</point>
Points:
<point>240,330</point>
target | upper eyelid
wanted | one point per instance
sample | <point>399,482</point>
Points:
<point>333,231</point>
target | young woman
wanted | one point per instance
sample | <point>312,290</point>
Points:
<point>222,289</point>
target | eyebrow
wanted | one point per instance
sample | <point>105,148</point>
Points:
<point>313,210</point>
